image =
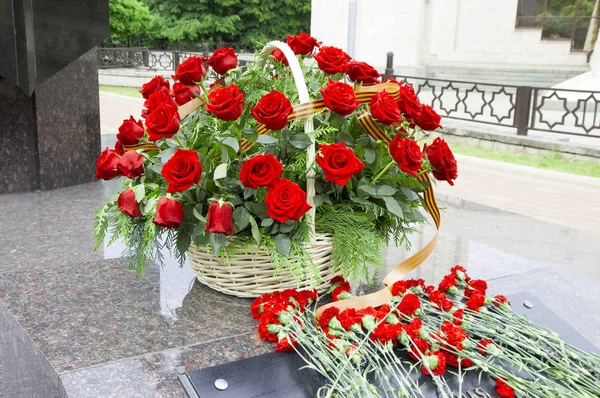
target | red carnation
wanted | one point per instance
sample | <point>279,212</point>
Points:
<point>349,317</point>
<point>385,332</point>
<point>482,345</point>
<point>439,359</point>
<point>413,329</point>
<point>284,345</point>
<point>418,348</point>
<point>458,317</point>
<point>398,288</point>
<point>476,301</point>
<point>500,300</point>
<point>256,306</point>
<point>503,389</point>
<point>476,285</point>
<point>327,315</point>
<point>409,304</point>
<point>447,282</point>
<point>438,298</point>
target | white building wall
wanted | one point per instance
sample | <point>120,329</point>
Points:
<point>432,32</point>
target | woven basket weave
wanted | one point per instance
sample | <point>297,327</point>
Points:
<point>251,275</point>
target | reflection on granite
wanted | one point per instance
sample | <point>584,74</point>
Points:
<point>86,314</point>
<point>155,375</point>
<point>24,370</point>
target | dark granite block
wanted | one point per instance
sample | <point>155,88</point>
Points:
<point>52,139</point>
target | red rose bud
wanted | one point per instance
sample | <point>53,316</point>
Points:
<point>260,171</point>
<point>361,72</point>
<point>384,109</point>
<point>332,60</point>
<point>184,94</point>
<point>338,162</point>
<point>272,110</point>
<point>279,56</point>
<point>339,97</point>
<point>442,160</point>
<point>226,103</point>
<point>160,97</point>
<point>131,164</point>
<point>223,60</point>
<point>106,165</point>
<point>407,154</point>
<point>303,44</point>
<point>182,171</point>
<point>426,118</point>
<point>220,219</point>
<point>130,131</point>
<point>127,203</point>
<point>190,71</point>
<point>154,85</point>
<point>169,213</point>
<point>119,148</point>
<point>163,122</point>
<point>286,201</point>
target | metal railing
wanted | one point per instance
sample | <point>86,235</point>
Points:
<point>574,112</point>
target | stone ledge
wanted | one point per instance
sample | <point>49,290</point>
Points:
<point>515,143</point>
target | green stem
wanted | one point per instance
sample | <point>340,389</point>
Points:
<point>382,172</point>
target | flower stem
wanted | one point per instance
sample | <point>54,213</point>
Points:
<point>382,172</point>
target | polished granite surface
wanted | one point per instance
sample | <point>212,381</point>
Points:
<point>106,334</point>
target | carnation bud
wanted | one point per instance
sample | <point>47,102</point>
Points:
<point>460,275</point>
<point>334,323</point>
<point>392,319</point>
<point>273,328</point>
<point>356,328</point>
<point>416,290</point>
<point>493,350</point>
<point>432,361</point>
<point>284,318</point>
<point>336,332</point>
<point>467,344</point>
<point>369,322</point>
<point>344,295</point>
<point>403,339</point>
<point>454,291</point>
<point>423,334</point>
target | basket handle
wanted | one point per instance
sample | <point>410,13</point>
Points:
<point>308,124</point>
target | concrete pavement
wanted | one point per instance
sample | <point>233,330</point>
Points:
<point>556,197</point>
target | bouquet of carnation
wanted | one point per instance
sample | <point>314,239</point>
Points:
<point>304,161</point>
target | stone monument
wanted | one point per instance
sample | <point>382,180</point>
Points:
<point>49,106</point>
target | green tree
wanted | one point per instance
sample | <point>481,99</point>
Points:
<point>128,18</point>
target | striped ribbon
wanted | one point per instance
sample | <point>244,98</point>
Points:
<point>302,111</point>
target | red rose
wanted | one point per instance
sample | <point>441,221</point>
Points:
<point>273,110</point>
<point>219,219</point>
<point>154,85</point>
<point>503,389</point>
<point>169,213</point>
<point>183,93</point>
<point>131,164</point>
<point>362,72</point>
<point>409,304</point>
<point>286,201</point>
<point>426,118</point>
<point>127,203</point>
<point>260,171</point>
<point>408,101</point>
<point>161,96</point>
<point>226,103</point>
<point>406,153</point>
<point>442,160</point>
<point>384,109</point>
<point>279,56</point>
<point>332,60</point>
<point>106,165</point>
<point>338,162</point>
<point>303,44</point>
<point>339,97</point>
<point>190,71</point>
<point>223,60</point>
<point>182,171</point>
<point>163,122</point>
<point>130,131</point>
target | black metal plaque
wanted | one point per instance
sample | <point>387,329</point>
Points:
<point>277,375</point>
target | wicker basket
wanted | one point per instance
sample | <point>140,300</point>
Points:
<point>251,275</point>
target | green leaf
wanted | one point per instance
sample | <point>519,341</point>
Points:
<point>255,230</point>
<point>165,155</point>
<point>393,207</point>
<point>198,212</point>
<point>266,139</point>
<point>183,242</point>
<point>386,190</point>
<point>369,190</point>
<point>217,241</point>
<point>300,141</point>
<point>198,229</point>
<point>202,239</point>
<point>336,120</point>
<point>221,171</point>
<point>241,217</point>
<point>283,244</point>
<point>150,203</point>
<point>318,199</point>
<point>248,192</point>
<point>232,143</point>
<point>156,167</point>
<point>267,222</point>
<point>257,208</point>
<point>139,191</point>
<point>249,131</point>
<point>356,199</point>
<point>286,227</point>
<point>370,156</point>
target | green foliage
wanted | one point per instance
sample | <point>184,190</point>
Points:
<point>128,18</point>
<point>247,22</point>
